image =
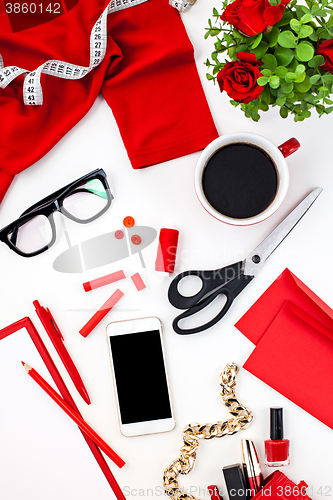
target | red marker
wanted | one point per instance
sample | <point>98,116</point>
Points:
<point>251,467</point>
<point>57,340</point>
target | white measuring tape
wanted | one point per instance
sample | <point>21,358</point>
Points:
<point>32,90</point>
<point>182,5</point>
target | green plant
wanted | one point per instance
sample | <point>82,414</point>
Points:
<point>296,73</point>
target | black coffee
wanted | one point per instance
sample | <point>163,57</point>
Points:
<point>240,180</point>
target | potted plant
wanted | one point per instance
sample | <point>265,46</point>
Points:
<point>274,54</point>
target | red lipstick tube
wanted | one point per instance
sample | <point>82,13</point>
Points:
<point>214,492</point>
<point>251,467</point>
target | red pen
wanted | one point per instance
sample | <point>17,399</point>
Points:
<point>57,340</point>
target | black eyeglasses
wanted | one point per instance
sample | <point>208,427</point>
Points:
<point>83,201</point>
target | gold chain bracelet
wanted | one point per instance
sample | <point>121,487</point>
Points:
<point>241,420</point>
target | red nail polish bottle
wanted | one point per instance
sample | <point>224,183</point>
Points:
<point>277,448</point>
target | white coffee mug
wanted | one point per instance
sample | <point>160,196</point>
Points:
<point>277,156</point>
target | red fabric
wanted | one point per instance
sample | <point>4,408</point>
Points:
<point>148,77</point>
<point>5,182</point>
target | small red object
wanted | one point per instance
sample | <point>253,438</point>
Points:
<point>167,249</point>
<point>74,415</point>
<point>101,313</point>
<point>214,492</point>
<point>289,147</point>
<point>278,485</point>
<point>138,282</point>
<point>128,221</point>
<point>135,239</point>
<point>119,234</point>
<point>103,280</point>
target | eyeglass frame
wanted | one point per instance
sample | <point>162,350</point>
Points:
<point>54,203</point>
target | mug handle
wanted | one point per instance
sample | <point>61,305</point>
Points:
<point>289,147</point>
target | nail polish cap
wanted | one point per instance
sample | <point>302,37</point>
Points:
<point>234,480</point>
<point>276,423</point>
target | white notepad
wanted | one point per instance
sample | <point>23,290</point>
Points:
<point>42,451</point>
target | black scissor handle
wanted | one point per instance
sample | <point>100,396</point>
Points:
<point>210,280</point>
<point>231,290</point>
<point>201,305</point>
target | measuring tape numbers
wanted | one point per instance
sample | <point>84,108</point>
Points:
<point>182,5</point>
<point>32,90</point>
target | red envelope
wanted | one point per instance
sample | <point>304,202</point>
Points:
<point>286,358</point>
<point>287,286</point>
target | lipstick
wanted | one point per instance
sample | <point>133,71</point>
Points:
<point>251,467</point>
<point>235,483</point>
<point>214,492</point>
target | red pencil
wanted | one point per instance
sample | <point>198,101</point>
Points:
<point>74,415</point>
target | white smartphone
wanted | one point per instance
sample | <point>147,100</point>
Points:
<point>140,376</point>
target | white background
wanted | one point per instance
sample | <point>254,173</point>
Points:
<point>163,196</point>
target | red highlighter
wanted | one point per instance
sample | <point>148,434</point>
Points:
<point>56,337</point>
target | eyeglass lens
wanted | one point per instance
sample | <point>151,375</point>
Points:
<point>87,201</point>
<point>84,203</point>
<point>32,236</point>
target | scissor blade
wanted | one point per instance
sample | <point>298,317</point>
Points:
<point>260,254</point>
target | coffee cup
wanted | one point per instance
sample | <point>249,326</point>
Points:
<point>242,178</point>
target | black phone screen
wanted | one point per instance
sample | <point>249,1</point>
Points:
<point>140,377</point>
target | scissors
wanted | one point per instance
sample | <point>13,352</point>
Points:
<point>231,280</point>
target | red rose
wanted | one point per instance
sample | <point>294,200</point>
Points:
<point>326,49</point>
<point>239,78</point>
<point>252,17</point>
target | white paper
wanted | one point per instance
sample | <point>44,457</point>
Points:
<point>42,452</point>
